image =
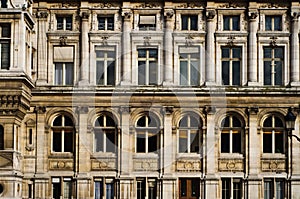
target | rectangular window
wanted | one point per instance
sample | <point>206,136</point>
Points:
<point>105,65</point>
<point>189,58</point>
<point>30,191</point>
<point>62,188</point>
<point>5,40</point>
<point>64,22</point>
<point>63,74</point>
<point>3,3</point>
<point>273,65</point>
<point>30,136</point>
<point>273,23</point>
<point>189,22</point>
<point>141,188</point>
<point>104,188</point>
<point>232,188</point>
<point>274,188</point>
<point>106,23</point>
<point>231,65</point>
<point>147,22</point>
<point>98,189</point>
<point>231,23</point>
<point>147,66</point>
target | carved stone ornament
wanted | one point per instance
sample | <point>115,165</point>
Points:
<point>231,164</point>
<point>82,109</point>
<point>169,13</point>
<point>210,14</point>
<point>231,5</point>
<point>63,41</point>
<point>127,14</point>
<point>148,5</point>
<point>42,14</point>
<point>147,40</point>
<point>85,15</point>
<point>295,15</point>
<point>274,5</point>
<point>187,165</point>
<point>145,164</point>
<point>230,42</point>
<point>124,109</point>
<point>253,15</point>
<point>273,42</point>
<point>105,5</point>
<point>272,165</point>
<point>40,109</point>
<point>61,164</point>
<point>107,164</point>
<point>190,5</point>
<point>167,110</point>
<point>104,40</point>
<point>252,110</point>
<point>210,109</point>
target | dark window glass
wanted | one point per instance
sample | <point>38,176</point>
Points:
<point>226,188</point>
<point>273,66</point>
<point>3,3</point>
<point>141,189</point>
<point>267,142</point>
<point>225,142</point>
<point>98,190</point>
<point>1,138</point>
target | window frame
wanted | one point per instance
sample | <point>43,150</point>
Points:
<point>60,80</point>
<point>104,130</point>
<point>145,131</point>
<point>147,27</point>
<point>274,131</point>
<point>105,50</point>
<point>231,59</point>
<point>231,25</point>
<point>2,138</point>
<point>188,129</point>
<point>231,190</point>
<point>62,186</point>
<point>106,22</point>
<point>144,186</point>
<point>147,71</point>
<point>103,190</point>
<point>273,17</point>
<point>231,130</point>
<point>273,191</point>
<point>65,25</point>
<point>189,20</point>
<point>189,59</point>
<point>5,43</point>
<point>63,129</point>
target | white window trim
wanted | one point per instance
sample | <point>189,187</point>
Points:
<point>64,17</point>
<point>63,74</point>
<point>231,186</point>
<point>230,12</point>
<point>106,21</point>
<point>275,12</point>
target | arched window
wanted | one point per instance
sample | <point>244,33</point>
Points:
<point>147,134</point>
<point>105,135</point>
<point>62,134</point>
<point>189,135</point>
<point>231,135</point>
<point>273,135</point>
<point>1,138</point>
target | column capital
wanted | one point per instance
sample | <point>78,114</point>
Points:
<point>167,110</point>
<point>40,109</point>
<point>84,15</point>
<point>42,14</point>
<point>169,13</point>
<point>127,14</point>
<point>253,14</point>
<point>209,110</point>
<point>295,16</point>
<point>210,13</point>
<point>253,110</point>
<point>82,109</point>
<point>124,109</point>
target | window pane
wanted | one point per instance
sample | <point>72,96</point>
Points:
<point>278,53</point>
<point>183,141</point>
<point>194,21</point>
<point>5,52</point>
<point>60,22</point>
<point>153,53</point>
<point>57,141</point>
<point>152,141</point>
<point>278,122</point>
<point>268,21</point>
<point>195,186</point>
<point>142,122</point>
<point>225,52</point>
<point>225,122</point>
<point>183,73</point>
<point>268,122</point>
<point>184,22</point>
<point>225,72</point>
<point>5,30</point>
<point>236,122</point>
<point>56,190</point>
<point>68,121</point>
<point>110,122</point>
<point>1,137</point>
<point>58,74</point>
<point>99,140</point>
<point>279,189</point>
<point>69,74</point>
<point>152,190</point>
<point>152,72</point>
<point>142,53</point>
<point>110,141</point>
<point>67,189</point>
<point>100,72</point>
<point>3,3</point>
<point>236,23</point>
<point>279,142</point>
<point>267,73</point>
<point>277,23</point>
<point>237,189</point>
<point>267,142</point>
<point>226,21</point>
<point>141,142</point>
<point>267,52</point>
<point>268,189</point>
<point>141,71</point>
<point>195,73</point>
<point>236,73</point>
<point>141,189</point>
<point>101,23</point>
<point>68,23</point>
<point>68,142</point>
<point>110,23</point>
<point>226,188</point>
<point>98,190</point>
<point>236,142</point>
<point>194,140</point>
<point>109,191</point>
<point>225,142</point>
<point>111,73</point>
<point>236,52</point>
<point>278,73</point>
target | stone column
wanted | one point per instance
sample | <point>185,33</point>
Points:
<point>212,183</point>
<point>168,46</point>
<point>210,48</point>
<point>252,54</point>
<point>254,156</point>
<point>295,50</point>
<point>168,152</point>
<point>126,188</point>
<point>41,144</point>
<point>83,153</point>
<point>84,67</point>
<point>126,40</point>
<point>42,48</point>
<point>126,147</point>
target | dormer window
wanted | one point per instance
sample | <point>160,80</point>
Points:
<point>147,22</point>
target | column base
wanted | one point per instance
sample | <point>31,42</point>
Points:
<point>295,83</point>
<point>83,82</point>
<point>253,84</point>
<point>168,83</point>
<point>210,83</point>
<point>125,83</point>
<point>41,82</point>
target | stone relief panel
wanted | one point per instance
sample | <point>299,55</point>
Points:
<point>61,164</point>
<point>103,164</point>
<point>145,164</point>
<point>188,165</point>
<point>273,165</point>
<point>232,165</point>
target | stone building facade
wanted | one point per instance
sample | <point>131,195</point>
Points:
<point>138,99</point>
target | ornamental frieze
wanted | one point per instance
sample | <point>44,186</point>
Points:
<point>231,165</point>
<point>61,164</point>
<point>186,165</point>
<point>106,164</point>
<point>273,165</point>
<point>6,159</point>
<point>145,164</point>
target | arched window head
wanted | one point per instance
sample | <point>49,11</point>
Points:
<point>62,134</point>
<point>105,134</point>
<point>273,135</point>
<point>1,137</point>
<point>147,134</point>
<point>231,135</point>
<point>189,137</point>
